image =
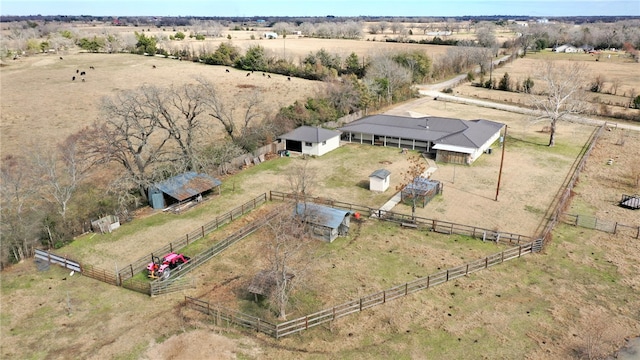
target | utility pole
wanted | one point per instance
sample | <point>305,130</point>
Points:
<point>504,140</point>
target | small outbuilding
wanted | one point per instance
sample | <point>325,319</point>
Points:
<point>270,35</point>
<point>311,140</point>
<point>325,223</point>
<point>379,180</point>
<point>190,186</point>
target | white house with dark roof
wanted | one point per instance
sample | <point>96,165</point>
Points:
<point>379,180</point>
<point>310,140</point>
<point>448,140</point>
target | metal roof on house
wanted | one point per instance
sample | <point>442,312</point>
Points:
<point>457,132</point>
<point>310,134</point>
<point>380,173</point>
<point>321,215</point>
<point>184,186</point>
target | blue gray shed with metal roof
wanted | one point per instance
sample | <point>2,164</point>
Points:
<point>326,223</point>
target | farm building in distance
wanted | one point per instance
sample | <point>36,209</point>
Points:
<point>447,140</point>
<point>181,188</point>
<point>310,140</point>
<point>326,223</point>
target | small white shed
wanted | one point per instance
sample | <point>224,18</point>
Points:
<point>379,180</point>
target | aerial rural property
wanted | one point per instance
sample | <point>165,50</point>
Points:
<point>308,183</point>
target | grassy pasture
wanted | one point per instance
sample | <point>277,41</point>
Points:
<point>618,68</point>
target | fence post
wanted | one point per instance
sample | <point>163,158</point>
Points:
<point>360,304</point>
<point>202,228</point>
<point>306,318</point>
<point>384,296</point>
<point>638,233</point>
<point>447,274</point>
<point>486,262</point>
<point>334,313</point>
<point>428,281</point>
<point>171,244</point>
<point>406,288</point>
<point>615,227</point>
<point>467,271</point>
<point>502,256</point>
<point>519,250</point>
<point>131,267</point>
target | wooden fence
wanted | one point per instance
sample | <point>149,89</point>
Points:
<point>58,260</point>
<point>86,270</point>
<point>219,314</point>
<point>177,282</point>
<point>124,277</point>
<point>139,265</point>
<point>561,200</point>
<point>416,222</point>
<point>591,222</point>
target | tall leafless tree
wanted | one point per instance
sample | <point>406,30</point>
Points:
<point>59,173</point>
<point>564,94</point>
<point>415,170</point>
<point>234,126</point>
<point>18,193</point>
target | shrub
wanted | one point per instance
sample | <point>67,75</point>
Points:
<point>505,83</point>
<point>527,85</point>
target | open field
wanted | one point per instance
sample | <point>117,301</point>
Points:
<point>64,106</point>
<point>619,68</point>
<point>543,306</point>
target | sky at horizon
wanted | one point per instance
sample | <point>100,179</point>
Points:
<point>251,8</point>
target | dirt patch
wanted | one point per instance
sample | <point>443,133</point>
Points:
<point>210,345</point>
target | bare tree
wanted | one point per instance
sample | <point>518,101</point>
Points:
<point>128,134</point>
<point>302,178</point>
<point>178,111</point>
<point>221,111</point>
<point>485,35</point>
<point>564,94</point>
<point>385,76</point>
<point>287,251</point>
<point>415,171</point>
<point>17,199</point>
<point>59,173</point>
<point>615,84</point>
<point>396,27</point>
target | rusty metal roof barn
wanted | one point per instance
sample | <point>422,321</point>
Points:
<point>187,185</point>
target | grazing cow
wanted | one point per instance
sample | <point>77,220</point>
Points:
<point>153,66</point>
<point>248,74</point>
<point>77,71</point>
<point>82,79</point>
<point>227,70</point>
<point>82,73</point>
<point>73,78</point>
<point>61,58</point>
<point>289,78</point>
<point>263,74</point>
<point>269,76</point>
<point>92,68</point>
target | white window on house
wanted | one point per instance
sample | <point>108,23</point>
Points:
<point>307,144</point>
<point>324,143</point>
